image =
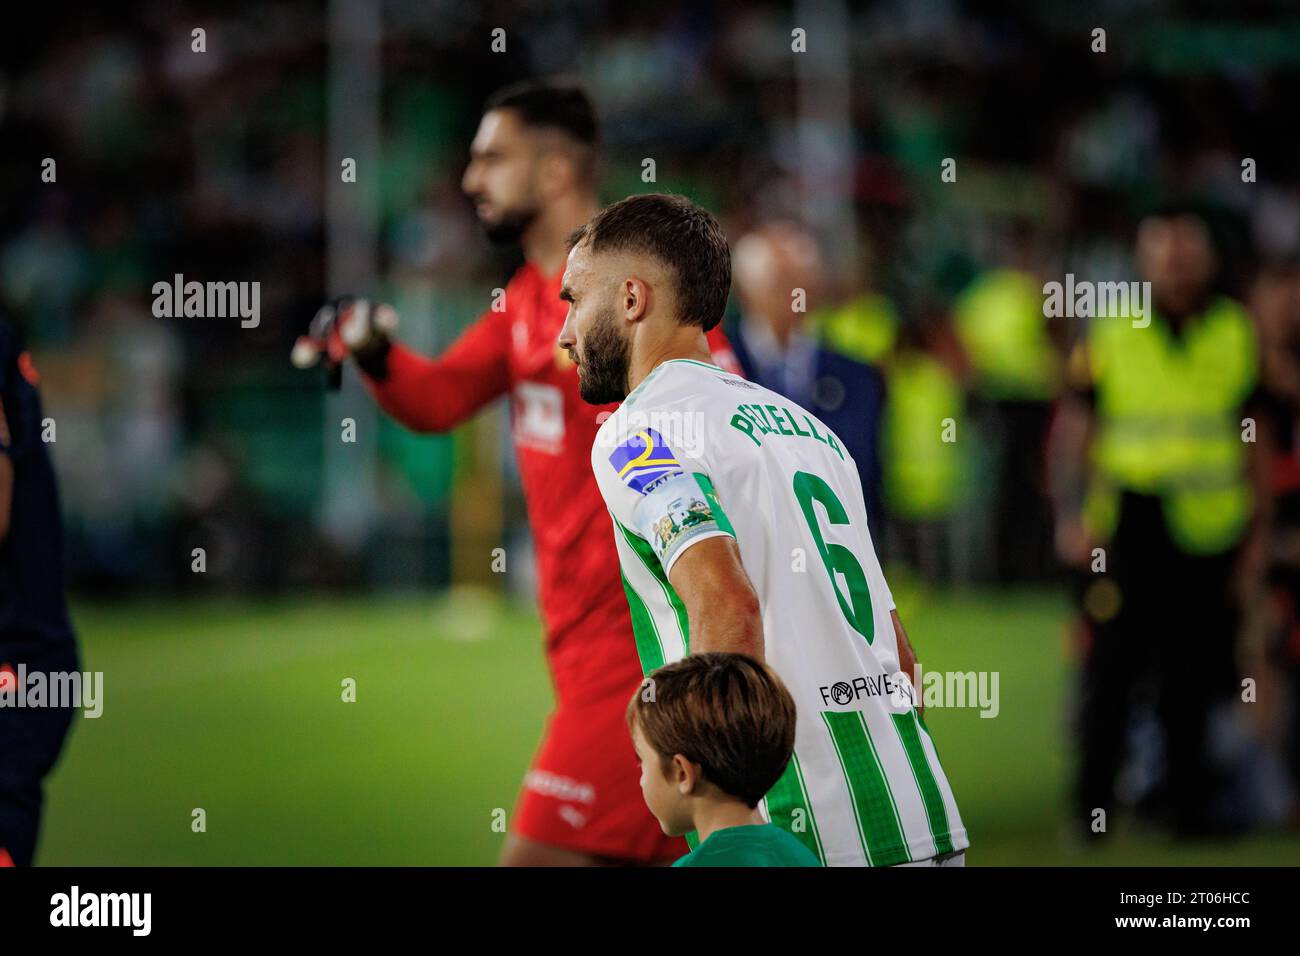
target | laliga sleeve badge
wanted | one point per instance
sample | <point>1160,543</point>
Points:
<point>643,459</point>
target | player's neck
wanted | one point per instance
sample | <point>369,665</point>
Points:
<point>714,815</point>
<point>545,241</point>
<point>685,342</point>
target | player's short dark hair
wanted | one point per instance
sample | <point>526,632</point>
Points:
<point>557,106</point>
<point>729,713</point>
<point>681,235</point>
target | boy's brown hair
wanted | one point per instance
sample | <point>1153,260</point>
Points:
<point>727,712</point>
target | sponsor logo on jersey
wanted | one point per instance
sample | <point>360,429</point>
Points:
<point>844,693</point>
<point>539,417</point>
<point>572,816</point>
<point>643,460</point>
<point>738,382</point>
<point>561,787</point>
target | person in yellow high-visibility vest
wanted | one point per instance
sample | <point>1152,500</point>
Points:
<point>1016,376</point>
<point>924,464</point>
<point>1158,502</point>
<point>865,327</point>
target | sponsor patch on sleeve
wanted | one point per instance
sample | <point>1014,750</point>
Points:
<point>676,512</point>
<point>644,460</point>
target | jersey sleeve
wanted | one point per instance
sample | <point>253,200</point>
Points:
<point>436,395</point>
<point>656,494</point>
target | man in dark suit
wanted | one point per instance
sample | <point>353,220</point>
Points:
<point>777,270</point>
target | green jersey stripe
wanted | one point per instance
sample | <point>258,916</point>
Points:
<point>711,496</point>
<point>644,632</point>
<point>651,561</point>
<point>935,813</point>
<point>873,804</point>
<point>921,720</point>
<point>951,798</point>
<point>889,789</point>
<point>788,796</point>
<point>848,779</point>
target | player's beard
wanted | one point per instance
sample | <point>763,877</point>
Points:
<point>507,230</point>
<point>606,357</point>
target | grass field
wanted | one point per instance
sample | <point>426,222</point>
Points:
<point>235,707</point>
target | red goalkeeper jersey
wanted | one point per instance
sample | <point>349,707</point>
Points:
<point>589,642</point>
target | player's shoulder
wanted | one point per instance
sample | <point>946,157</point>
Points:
<point>654,430</point>
<point>687,401</point>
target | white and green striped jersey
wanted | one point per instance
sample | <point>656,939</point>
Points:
<point>695,452</point>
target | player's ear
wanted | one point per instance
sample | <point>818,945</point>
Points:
<point>636,299</point>
<point>554,174</point>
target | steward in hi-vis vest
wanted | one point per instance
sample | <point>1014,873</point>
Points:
<point>1159,496</point>
<point>1169,424</point>
<point>1169,412</point>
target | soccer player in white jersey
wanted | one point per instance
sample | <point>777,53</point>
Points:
<point>740,526</point>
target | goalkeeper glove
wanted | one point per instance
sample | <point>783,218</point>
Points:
<point>344,327</point>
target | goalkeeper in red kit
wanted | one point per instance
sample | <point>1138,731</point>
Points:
<point>532,179</point>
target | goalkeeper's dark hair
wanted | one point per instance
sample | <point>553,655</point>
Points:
<point>563,107</point>
<point>682,236</point>
<point>729,713</point>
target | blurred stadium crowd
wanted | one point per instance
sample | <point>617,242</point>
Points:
<point>924,294</point>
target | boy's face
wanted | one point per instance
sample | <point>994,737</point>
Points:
<point>665,793</point>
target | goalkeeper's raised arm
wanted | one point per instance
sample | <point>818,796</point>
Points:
<point>424,394</point>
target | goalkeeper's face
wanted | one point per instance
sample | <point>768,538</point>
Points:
<point>504,176</point>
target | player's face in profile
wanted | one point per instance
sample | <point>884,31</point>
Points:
<point>592,333</point>
<point>501,178</point>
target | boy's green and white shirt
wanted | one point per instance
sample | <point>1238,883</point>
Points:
<point>695,452</point>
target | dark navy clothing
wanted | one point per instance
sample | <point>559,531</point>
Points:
<point>31,739</point>
<point>35,633</point>
<point>847,395</point>
<point>31,557</point>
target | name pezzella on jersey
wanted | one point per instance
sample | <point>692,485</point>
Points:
<point>770,420</point>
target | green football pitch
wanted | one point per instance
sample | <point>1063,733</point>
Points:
<point>235,707</point>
